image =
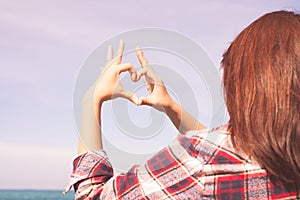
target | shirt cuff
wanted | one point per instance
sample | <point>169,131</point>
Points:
<point>88,166</point>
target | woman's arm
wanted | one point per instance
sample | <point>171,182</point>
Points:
<point>106,87</point>
<point>90,127</point>
<point>181,119</point>
<point>160,99</point>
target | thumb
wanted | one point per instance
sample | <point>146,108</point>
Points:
<point>145,101</point>
<point>130,96</point>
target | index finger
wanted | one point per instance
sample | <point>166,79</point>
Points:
<point>120,51</point>
<point>109,55</point>
<point>141,57</point>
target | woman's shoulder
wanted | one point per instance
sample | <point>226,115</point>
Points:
<point>213,146</point>
<point>213,136</point>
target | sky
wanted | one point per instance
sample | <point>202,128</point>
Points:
<point>43,46</point>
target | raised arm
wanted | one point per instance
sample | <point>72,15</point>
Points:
<point>160,99</point>
<point>106,87</point>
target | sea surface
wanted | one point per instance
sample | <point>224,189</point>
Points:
<point>35,195</point>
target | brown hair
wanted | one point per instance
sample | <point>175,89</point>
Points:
<point>262,92</point>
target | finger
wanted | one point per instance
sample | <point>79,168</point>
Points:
<point>141,73</point>
<point>120,51</point>
<point>130,96</point>
<point>109,55</point>
<point>144,101</point>
<point>128,67</point>
<point>141,57</point>
<point>149,88</point>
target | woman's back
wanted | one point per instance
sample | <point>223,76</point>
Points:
<point>228,174</point>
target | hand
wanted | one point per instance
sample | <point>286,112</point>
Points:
<point>159,97</point>
<point>108,85</point>
<point>161,100</point>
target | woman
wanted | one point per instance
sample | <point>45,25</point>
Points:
<point>255,156</point>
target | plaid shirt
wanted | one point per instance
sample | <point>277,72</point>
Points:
<point>197,165</point>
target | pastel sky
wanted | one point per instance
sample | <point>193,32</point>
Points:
<point>43,44</point>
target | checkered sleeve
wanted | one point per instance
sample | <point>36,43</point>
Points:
<point>91,171</point>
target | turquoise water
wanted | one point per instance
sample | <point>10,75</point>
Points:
<point>35,195</point>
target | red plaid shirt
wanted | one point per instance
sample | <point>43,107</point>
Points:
<point>197,165</point>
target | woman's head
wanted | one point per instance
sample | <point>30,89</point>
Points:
<point>262,92</point>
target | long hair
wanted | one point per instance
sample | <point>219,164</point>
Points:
<point>262,93</point>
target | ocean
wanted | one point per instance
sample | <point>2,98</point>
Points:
<point>35,195</point>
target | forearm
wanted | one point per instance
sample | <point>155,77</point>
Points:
<point>90,126</point>
<point>181,119</point>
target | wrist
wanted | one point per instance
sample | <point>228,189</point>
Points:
<point>89,100</point>
<point>170,106</point>
<point>90,97</point>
